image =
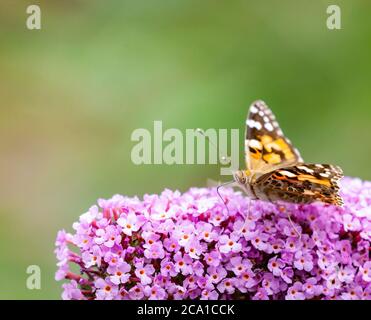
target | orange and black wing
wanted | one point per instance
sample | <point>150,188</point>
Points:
<point>302,183</point>
<point>266,147</point>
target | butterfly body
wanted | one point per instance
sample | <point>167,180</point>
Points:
<point>274,168</point>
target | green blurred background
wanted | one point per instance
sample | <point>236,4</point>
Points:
<point>73,92</point>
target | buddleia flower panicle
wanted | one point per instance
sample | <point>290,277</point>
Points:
<point>189,246</point>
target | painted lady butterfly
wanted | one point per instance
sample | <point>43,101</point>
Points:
<point>275,169</point>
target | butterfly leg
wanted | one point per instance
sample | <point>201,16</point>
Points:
<point>273,199</point>
<point>220,196</point>
<point>281,208</point>
<point>248,213</point>
<point>249,206</point>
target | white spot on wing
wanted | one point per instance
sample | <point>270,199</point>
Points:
<point>255,144</point>
<point>253,109</point>
<point>287,173</point>
<point>306,169</point>
<point>250,123</point>
<point>258,125</point>
<point>253,124</point>
<point>268,126</point>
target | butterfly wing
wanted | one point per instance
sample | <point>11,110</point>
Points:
<point>266,147</point>
<point>303,183</point>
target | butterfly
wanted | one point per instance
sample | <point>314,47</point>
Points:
<point>276,171</point>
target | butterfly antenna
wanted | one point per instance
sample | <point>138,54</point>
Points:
<point>202,132</point>
<point>221,157</point>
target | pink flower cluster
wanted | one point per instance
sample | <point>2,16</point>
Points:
<point>189,246</point>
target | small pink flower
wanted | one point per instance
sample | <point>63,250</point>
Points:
<point>295,292</point>
<point>112,259</point>
<point>227,285</point>
<point>155,292</point>
<point>212,258</point>
<point>287,274</point>
<point>168,268</point>
<point>155,251</point>
<point>136,292</point>
<point>365,271</point>
<point>92,258</point>
<point>179,293</point>
<point>171,245</point>
<point>259,241</point>
<point>216,274</point>
<point>129,223</point>
<point>209,295</point>
<point>311,288</point>
<point>346,274</point>
<point>345,249</point>
<point>106,290</point>
<point>71,291</point>
<point>183,263</point>
<point>260,294</point>
<point>248,279</point>
<point>119,273</point>
<point>351,223</point>
<point>144,272</point>
<point>303,261</point>
<point>275,266</point>
<point>194,248</point>
<point>229,244</point>
<point>239,265</point>
<point>206,232</point>
<point>270,284</point>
